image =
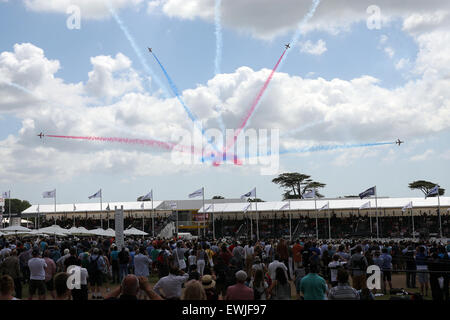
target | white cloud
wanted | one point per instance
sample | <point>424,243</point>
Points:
<point>90,9</point>
<point>403,63</point>
<point>423,156</point>
<point>389,51</point>
<point>317,48</point>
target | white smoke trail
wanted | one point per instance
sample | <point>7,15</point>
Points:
<point>219,41</point>
<point>137,50</point>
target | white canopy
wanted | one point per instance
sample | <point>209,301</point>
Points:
<point>81,231</point>
<point>134,232</point>
<point>54,230</point>
<point>15,229</point>
<point>110,232</point>
<point>99,232</point>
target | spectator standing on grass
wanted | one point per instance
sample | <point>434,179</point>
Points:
<point>259,286</point>
<point>313,286</point>
<point>95,270</point>
<point>422,270</point>
<point>114,261</point>
<point>124,259</point>
<point>37,267</point>
<point>81,293</point>
<point>274,265</point>
<point>410,264</point>
<point>50,272</point>
<point>280,289</point>
<point>358,266</point>
<point>142,263</point>
<point>171,284</point>
<point>343,291</point>
<point>386,268</point>
<point>7,288</point>
<point>11,267</point>
<point>239,291</point>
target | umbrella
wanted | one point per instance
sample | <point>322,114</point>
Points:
<point>134,232</point>
<point>81,231</point>
<point>15,229</point>
<point>98,232</point>
<point>110,232</point>
<point>54,230</point>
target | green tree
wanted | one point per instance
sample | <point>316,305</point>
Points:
<point>425,187</point>
<point>297,184</point>
<point>255,200</point>
<point>218,197</point>
<point>17,206</point>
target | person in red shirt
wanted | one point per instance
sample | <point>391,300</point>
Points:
<point>297,254</point>
<point>240,291</point>
<point>225,254</point>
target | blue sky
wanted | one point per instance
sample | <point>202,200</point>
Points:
<point>187,50</point>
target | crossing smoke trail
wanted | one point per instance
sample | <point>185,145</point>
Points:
<point>257,101</point>
<point>137,50</point>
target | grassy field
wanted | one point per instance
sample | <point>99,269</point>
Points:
<point>398,281</point>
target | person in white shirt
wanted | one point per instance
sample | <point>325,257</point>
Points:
<point>334,266</point>
<point>37,268</point>
<point>171,284</point>
<point>248,256</point>
<point>79,293</point>
<point>142,263</point>
<point>274,265</point>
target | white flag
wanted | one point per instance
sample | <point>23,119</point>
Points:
<point>311,194</point>
<point>148,196</point>
<point>365,206</point>
<point>98,194</point>
<point>286,206</point>
<point>408,206</point>
<point>247,207</point>
<point>209,207</point>
<point>198,193</point>
<point>327,206</point>
<point>49,194</point>
<point>6,195</point>
<point>250,194</point>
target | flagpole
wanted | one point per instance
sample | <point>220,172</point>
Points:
<point>153,218</point>
<point>317,220</point>
<point>101,209</point>
<point>54,217</point>
<point>213,223</point>
<point>329,221</point>
<point>412,218</point>
<point>290,221</point>
<point>257,218</point>
<point>204,215</point>
<point>439,213</point>
<point>9,209</point>
<point>376,212</point>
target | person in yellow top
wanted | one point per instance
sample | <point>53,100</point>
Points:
<point>210,255</point>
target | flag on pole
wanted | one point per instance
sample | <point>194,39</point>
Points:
<point>310,194</point>
<point>433,191</point>
<point>249,194</point>
<point>98,194</point>
<point>197,193</point>
<point>148,196</point>
<point>247,207</point>
<point>286,206</point>
<point>408,206</point>
<point>6,195</point>
<point>209,207</point>
<point>107,208</point>
<point>327,206</point>
<point>49,194</point>
<point>365,205</point>
<point>369,192</point>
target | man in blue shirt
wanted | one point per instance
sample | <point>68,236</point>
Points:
<point>386,267</point>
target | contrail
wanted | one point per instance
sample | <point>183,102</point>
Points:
<point>333,147</point>
<point>17,86</point>
<point>137,50</point>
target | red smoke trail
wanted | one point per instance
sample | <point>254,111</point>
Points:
<point>253,107</point>
<point>144,142</point>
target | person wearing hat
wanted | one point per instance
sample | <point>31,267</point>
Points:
<point>210,287</point>
<point>240,291</point>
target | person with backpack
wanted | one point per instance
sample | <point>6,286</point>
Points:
<point>95,271</point>
<point>259,286</point>
<point>358,266</point>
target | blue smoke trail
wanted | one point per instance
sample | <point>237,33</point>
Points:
<point>17,86</point>
<point>219,42</point>
<point>137,50</point>
<point>333,147</point>
<point>293,42</point>
<point>219,46</point>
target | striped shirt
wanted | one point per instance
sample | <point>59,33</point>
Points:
<point>343,292</point>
